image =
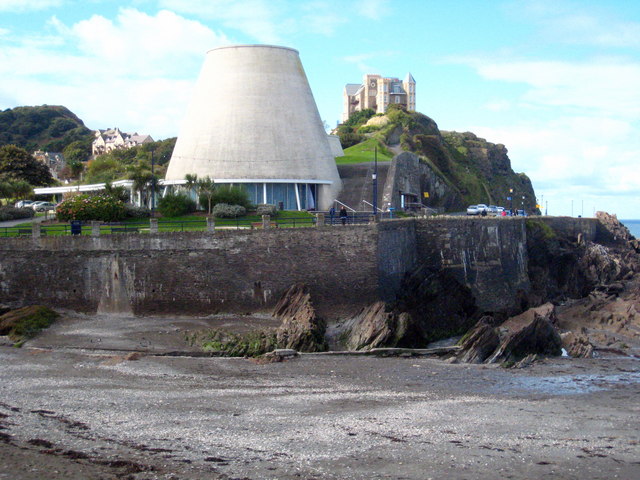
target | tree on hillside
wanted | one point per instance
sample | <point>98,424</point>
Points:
<point>162,150</point>
<point>78,151</point>
<point>46,127</point>
<point>17,164</point>
<point>105,168</point>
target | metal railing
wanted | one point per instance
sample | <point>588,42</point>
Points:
<point>188,225</point>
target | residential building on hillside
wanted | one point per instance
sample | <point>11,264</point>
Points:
<point>111,139</point>
<point>377,92</point>
<point>55,161</point>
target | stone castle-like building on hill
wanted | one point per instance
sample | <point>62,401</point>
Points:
<point>377,92</point>
<point>111,139</point>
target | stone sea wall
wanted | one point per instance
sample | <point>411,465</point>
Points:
<point>345,268</point>
<point>488,255</point>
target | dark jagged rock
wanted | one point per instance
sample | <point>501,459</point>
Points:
<point>577,345</point>
<point>375,326</point>
<point>539,337</point>
<point>480,342</point>
<point>438,304</point>
<point>555,268</point>
<point>531,333</point>
<point>433,306</point>
<point>301,328</point>
<point>610,230</point>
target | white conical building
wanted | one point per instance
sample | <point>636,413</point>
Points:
<point>253,121</point>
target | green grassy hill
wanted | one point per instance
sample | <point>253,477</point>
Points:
<point>47,127</point>
<point>365,152</point>
<point>470,168</point>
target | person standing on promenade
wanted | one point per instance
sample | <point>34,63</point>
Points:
<point>343,215</point>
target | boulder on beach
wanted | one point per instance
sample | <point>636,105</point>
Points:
<point>530,333</point>
<point>377,326</point>
<point>301,328</point>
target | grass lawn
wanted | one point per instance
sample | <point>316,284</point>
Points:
<point>364,152</point>
<point>193,222</point>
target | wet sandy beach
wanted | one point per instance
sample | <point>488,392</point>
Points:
<point>97,414</point>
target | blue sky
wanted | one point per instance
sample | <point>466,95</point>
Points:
<point>557,82</point>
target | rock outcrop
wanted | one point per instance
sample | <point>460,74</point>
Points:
<point>528,334</point>
<point>538,337</point>
<point>480,342</point>
<point>433,305</point>
<point>577,345</point>
<point>301,328</point>
<point>377,326</point>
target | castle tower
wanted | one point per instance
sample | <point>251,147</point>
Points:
<point>252,121</point>
<point>409,85</point>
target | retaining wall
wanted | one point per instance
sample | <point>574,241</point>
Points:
<point>346,268</point>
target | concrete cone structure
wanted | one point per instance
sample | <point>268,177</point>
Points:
<point>253,121</point>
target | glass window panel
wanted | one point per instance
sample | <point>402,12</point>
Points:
<point>302,190</point>
<point>270,193</point>
<point>279,193</point>
<point>291,197</point>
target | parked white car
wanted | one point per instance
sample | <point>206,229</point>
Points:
<point>472,210</point>
<point>23,204</point>
<point>482,209</point>
<point>43,206</point>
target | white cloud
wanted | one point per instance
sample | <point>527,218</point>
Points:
<point>499,105</point>
<point>144,44</point>
<point>116,71</point>
<point>321,18</point>
<point>574,158</point>
<point>576,23</point>
<point>257,18</point>
<point>361,60</point>
<point>372,9</point>
<point>28,5</point>
<point>600,85</point>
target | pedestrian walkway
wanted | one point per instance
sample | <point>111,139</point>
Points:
<point>13,223</point>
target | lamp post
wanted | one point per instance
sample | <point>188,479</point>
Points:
<point>153,186</point>
<point>510,198</point>
<point>374,178</point>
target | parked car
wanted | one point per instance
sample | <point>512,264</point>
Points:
<point>472,210</point>
<point>23,204</point>
<point>43,206</point>
<point>482,209</point>
<point>492,210</point>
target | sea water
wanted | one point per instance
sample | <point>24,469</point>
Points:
<point>633,226</point>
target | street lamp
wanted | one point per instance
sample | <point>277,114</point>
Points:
<point>510,198</point>
<point>153,186</point>
<point>374,178</point>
